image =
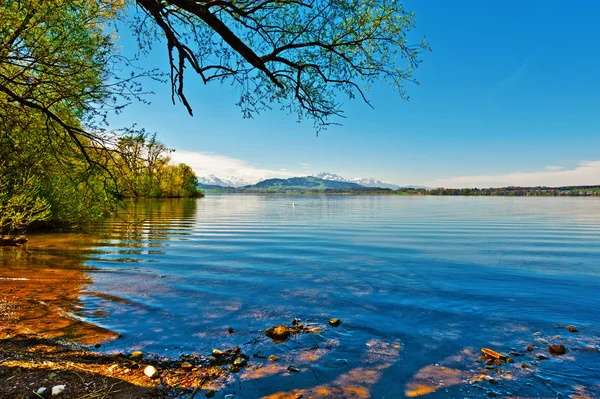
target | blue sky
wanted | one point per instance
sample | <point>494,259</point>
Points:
<point>509,95</point>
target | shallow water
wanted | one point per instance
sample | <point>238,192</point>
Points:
<point>420,284</point>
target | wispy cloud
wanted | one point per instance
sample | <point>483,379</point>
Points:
<point>208,163</point>
<point>586,173</point>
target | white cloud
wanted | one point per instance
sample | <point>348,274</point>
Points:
<point>553,168</point>
<point>207,163</point>
<point>586,173</point>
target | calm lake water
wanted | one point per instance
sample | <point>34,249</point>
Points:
<point>420,284</point>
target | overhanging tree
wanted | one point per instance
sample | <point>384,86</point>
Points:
<point>296,53</point>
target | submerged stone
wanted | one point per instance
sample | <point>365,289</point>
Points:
<point>293,369</point>
<point>557,349</point>
<point>273,358</point>
<point>334,322</point>
<point>572,329</point>
<point>233,369</point>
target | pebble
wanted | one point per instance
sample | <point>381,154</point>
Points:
<point>557,349</point>
<point>529,348</point>
<point>233,369</point>
<point>230,330</point>
<point>151,372</point>
<point>240,362</point>
<point>210,393</point>
<point>293,369</point>
<point>334,322</point>
<point>273,358</point>
<point>187,366</point>
<point>572,329</point>
<point>217,353</point>
<point>525,366</point>
<point>278,332</point>
<point>136,354</point>
<point>57,390</point>
<point>41,391</point>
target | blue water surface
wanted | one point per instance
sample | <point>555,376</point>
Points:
<point>420,284</point>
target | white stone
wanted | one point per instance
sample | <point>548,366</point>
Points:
<point>57,390</point>
<point>151,371</point>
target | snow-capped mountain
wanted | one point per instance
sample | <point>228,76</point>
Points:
<point>329,176</point>
<point>370,182</point>
<point>228,181</point>
<point>363,181</point>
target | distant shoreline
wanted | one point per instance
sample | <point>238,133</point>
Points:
<point>567,191</point>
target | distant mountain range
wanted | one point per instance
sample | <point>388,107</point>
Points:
<point>303,183</point>
<point>363,181</point>
<point>227,181</point>
<point>295,184</point>
<point>236,182</point>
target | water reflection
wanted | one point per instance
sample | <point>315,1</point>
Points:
<point>41,285</point>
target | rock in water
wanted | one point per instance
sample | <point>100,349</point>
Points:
<point>240,362</point>
<point>334,322</point>
<point>557,349</point>
<point>572,329</point>
<point>233,369</point>
<point>217,353</point>
<point>273,358</point>
<point>293,369</point>
<point>279,333</point>
<point>151,372</point>
<point>210,393</point>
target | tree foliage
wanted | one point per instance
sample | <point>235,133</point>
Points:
<point>60,78</point>
<point>296,53</point>
<point>145,170</point>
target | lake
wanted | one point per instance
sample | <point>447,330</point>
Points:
<point>420,285</point>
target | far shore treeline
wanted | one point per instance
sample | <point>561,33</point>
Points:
<point>568,191</point>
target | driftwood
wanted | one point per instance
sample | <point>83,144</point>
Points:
<point>494,354</point>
